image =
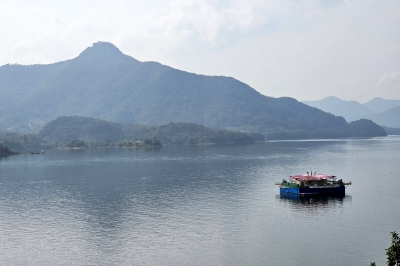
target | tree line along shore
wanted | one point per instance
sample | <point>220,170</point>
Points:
<point>75,132</point>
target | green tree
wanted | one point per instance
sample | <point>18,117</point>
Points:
<point>393,252</point>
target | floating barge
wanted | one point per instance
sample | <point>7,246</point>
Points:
<point>312,185</point>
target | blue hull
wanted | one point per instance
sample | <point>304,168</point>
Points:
<point>312,191</point>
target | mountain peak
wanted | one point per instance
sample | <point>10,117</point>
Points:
<point>381,105</point>
<point>102,51</point>
<point>331,98</point>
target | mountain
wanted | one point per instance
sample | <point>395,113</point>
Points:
<point>389,118</point>
<point>380,105</point>
<point>336,106</point>
<point>104,83</point>
<point>382,112</point>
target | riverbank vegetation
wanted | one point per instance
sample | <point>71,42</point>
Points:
<point>77,132</point>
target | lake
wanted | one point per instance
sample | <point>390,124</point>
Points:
<point>199,205</point>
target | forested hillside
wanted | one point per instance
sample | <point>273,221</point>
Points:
<point>67,129</point>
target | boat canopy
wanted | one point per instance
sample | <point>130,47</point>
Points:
<point>311,177</point>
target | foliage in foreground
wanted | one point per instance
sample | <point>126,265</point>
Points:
<point>393,252</point>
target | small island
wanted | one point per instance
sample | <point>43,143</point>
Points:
<point>138,144</point>
<point>135,144</point>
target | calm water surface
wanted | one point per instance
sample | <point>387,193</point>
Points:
<point>214,205</point>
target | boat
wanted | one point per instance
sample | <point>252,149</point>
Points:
<point>312,185</point>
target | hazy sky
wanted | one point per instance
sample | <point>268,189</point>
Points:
<point>303,49</point>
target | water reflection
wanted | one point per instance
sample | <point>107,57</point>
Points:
<point>297,202</point>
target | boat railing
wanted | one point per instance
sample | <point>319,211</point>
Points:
<point>315,185</point>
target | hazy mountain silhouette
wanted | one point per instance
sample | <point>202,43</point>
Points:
<point>389,118</point>
<point>104,83</point>
<point>380,105</point>
<point>381,111</point>
<point>346,109</point>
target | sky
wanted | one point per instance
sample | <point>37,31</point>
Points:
<point>305,49</point>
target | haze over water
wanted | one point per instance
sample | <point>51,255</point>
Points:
<point>190,205</point>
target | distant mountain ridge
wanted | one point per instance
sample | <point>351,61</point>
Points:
<point>389,118</point>
<point>380,105</point>
<point>336,106</point>
<point>102,82</point>
<point>381,111</point>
